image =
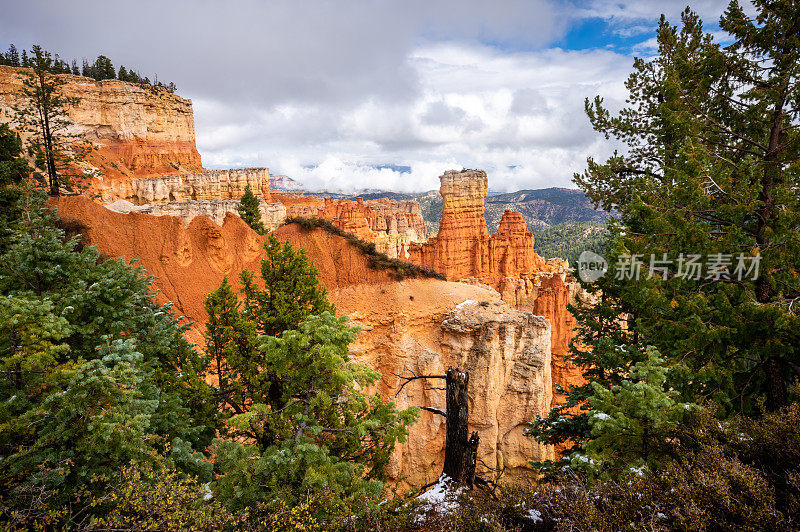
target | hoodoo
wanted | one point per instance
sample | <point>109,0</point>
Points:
<point>506,261</point>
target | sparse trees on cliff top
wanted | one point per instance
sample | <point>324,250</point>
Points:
<point>101,68</point>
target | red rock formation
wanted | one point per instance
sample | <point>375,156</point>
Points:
<point>416,325</point>
<point>390,224</point>
<point>506,261</point>
<point>135,131</point>
<point>463,248</point>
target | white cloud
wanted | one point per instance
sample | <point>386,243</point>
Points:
<point>325,92</point>
<point>518,115</point>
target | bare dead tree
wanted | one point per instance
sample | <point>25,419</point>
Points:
<point>460,449</point>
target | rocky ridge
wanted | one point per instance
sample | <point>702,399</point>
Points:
<point>391,225</point>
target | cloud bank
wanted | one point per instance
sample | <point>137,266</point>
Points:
<point>373,94</point>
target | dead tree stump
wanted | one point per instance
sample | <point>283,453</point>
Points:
<point>460,450</point>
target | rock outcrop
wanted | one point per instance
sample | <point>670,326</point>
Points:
<point>207,185</point>
<point>506,261</point>
<point>423,327</point>
<point>390,224</point>
<point>273,215</point>
<point>136,131</point>
<point>415,325</point>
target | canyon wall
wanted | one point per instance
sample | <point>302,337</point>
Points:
<point>206,185</point>
<point>136,131</point>
<point>418,325</point>
<point>273,215</point>
<point>390,224</point>
<point>505,261</point>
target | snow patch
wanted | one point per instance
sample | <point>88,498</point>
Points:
<point>466,303</point>
<point>441,498</point>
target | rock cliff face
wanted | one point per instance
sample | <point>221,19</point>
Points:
<point>506,261</point>
<point>426,326</point>
<point>273,215</point>
<point>208,185</point>
<point>390,224</point>
<point>136,131</point>
<point>415,325</point>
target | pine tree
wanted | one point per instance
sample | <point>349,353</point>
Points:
<point>634,425</point>
<point>12,57</point>
<point>319,434</point>
<point>122,75</point>
<point>24,61</point>
<point>103,68</point>
<point>711,170</point>
<point>96,376</point>
<point>44,117</point>
<point>605,347</point>
<point>14,171</point>
<point>294,393</point>
<point>250,212</point>
<point>291,291</point>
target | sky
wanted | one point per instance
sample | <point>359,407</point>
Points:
<point>374,94</point>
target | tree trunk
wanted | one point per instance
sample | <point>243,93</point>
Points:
<point>776,387</point>
<point>460,451</point>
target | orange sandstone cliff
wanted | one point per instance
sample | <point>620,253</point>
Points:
<point>419,325</point>
<point>506,261</point>
<point>390,224</point>
<point>136,131</point>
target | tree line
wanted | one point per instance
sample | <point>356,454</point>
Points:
<point>99,69</point>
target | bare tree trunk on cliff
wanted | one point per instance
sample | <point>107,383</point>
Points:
<point>460,451</point>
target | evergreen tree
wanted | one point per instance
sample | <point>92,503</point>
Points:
<point>712,167</point>
<point>317,434</point>
<point>12,57</point>
<point>14,170</point>
<point>75,70</point>
<point>250,212</point>
<point>634,425</point>
<point>44,117</point>
<point>24,61</point>
<point>103,68</point>
<point>294,394</point>
<point>291,291</point>
<point>710,173</point>
<point>122,75</point>
<point>605,348</point>
<point>97,375</point>
<point>86,69</point>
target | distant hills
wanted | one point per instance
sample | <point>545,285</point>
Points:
<point>543,208</point>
